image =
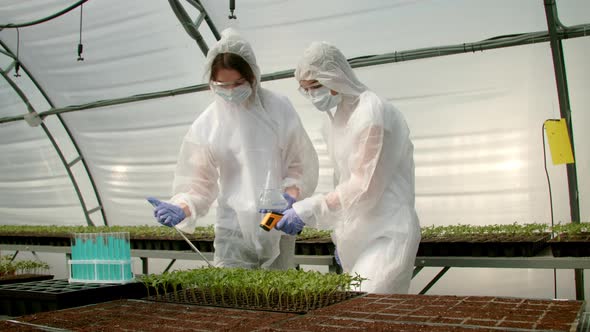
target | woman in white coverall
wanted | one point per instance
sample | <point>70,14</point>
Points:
<point>371,210</point>
<point>246,137</point>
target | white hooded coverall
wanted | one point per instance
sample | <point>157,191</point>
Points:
<point>227,155</point>
<point>371,210</point>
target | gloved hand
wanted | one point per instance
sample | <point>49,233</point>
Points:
<point>167,214</point>
<point>290,223</point>
<point>290,200</point>
<point>337,258</point>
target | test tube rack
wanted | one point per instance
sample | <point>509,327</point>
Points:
<point>101,258</point>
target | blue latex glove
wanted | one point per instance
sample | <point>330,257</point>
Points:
<point>290,223</point>
<point>290,200</point>
<point>167,214</point>
<point>337,258</point>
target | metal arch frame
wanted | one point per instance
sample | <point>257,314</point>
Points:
<point>565,111</point>
<point>45,19</point>
<point>66,165</point>
<point>192,28</point>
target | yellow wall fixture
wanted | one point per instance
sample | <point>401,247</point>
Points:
<point>559,142</point>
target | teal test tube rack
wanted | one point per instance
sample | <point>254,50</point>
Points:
<point>101,258</point>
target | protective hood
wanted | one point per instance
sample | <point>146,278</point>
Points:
<point>325,63</point>
<point>232,42</point>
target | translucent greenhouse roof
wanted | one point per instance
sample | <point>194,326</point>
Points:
<point>475,79</point>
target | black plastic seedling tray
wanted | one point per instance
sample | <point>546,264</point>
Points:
<point>20,278</point>
<point>38,296</point>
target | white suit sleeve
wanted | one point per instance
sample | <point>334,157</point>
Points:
<point>359,193</point>
<point>301,160</point>
<point>195,180</point>
<point>363,188</point>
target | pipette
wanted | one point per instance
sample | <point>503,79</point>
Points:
<point>193,246</point>
<point>188,241</point>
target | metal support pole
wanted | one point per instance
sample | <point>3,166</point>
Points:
<point>170,265</point>
<point>433,281</point>
<point>417,270</point>
<point>144,265</point>
<point>565,112</point>
<point>209,21</point>
<point>188,24</point>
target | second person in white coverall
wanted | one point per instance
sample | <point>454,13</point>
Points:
<point>248,138</point>
<point>371,210</point>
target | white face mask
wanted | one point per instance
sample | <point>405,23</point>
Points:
<point>237,95</point>
<point>323,100</point>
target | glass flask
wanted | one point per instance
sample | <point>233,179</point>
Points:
<point>272,199</point>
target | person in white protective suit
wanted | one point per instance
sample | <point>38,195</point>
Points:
<point>371,211</point>
<point>246,137</point>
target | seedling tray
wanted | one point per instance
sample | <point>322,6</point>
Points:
<point>576,245</point>
<point>31,297</point>
<point>493,246</point>
<point>314,247</point>
<point>61,240</point>
<point>146,243</point>
<point>20,278</point>
<point>204,297</point>
<point>373,312</point>
<point>177,245</point>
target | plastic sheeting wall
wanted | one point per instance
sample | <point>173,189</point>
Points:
<point>475,118</point>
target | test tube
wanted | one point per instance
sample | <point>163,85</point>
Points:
<point>74,269</point>
<point>93,245</point>
<point>128,273</point>
<point>104,255</point>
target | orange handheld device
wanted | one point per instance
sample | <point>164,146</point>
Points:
<point>270,220</point>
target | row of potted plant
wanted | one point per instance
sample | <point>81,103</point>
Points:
<point>10,267</point>
<point>309,233</point>
<point>309,242</point>
<point>449,240</point>
<point>506,240</point>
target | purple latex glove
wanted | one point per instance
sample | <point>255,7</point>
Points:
<point>290,223</point>
<point>165,213</point>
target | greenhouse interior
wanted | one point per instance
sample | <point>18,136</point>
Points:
<point>97,97</point>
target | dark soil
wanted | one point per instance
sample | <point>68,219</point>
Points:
<point>372,312</point>
<point>582,237</point>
